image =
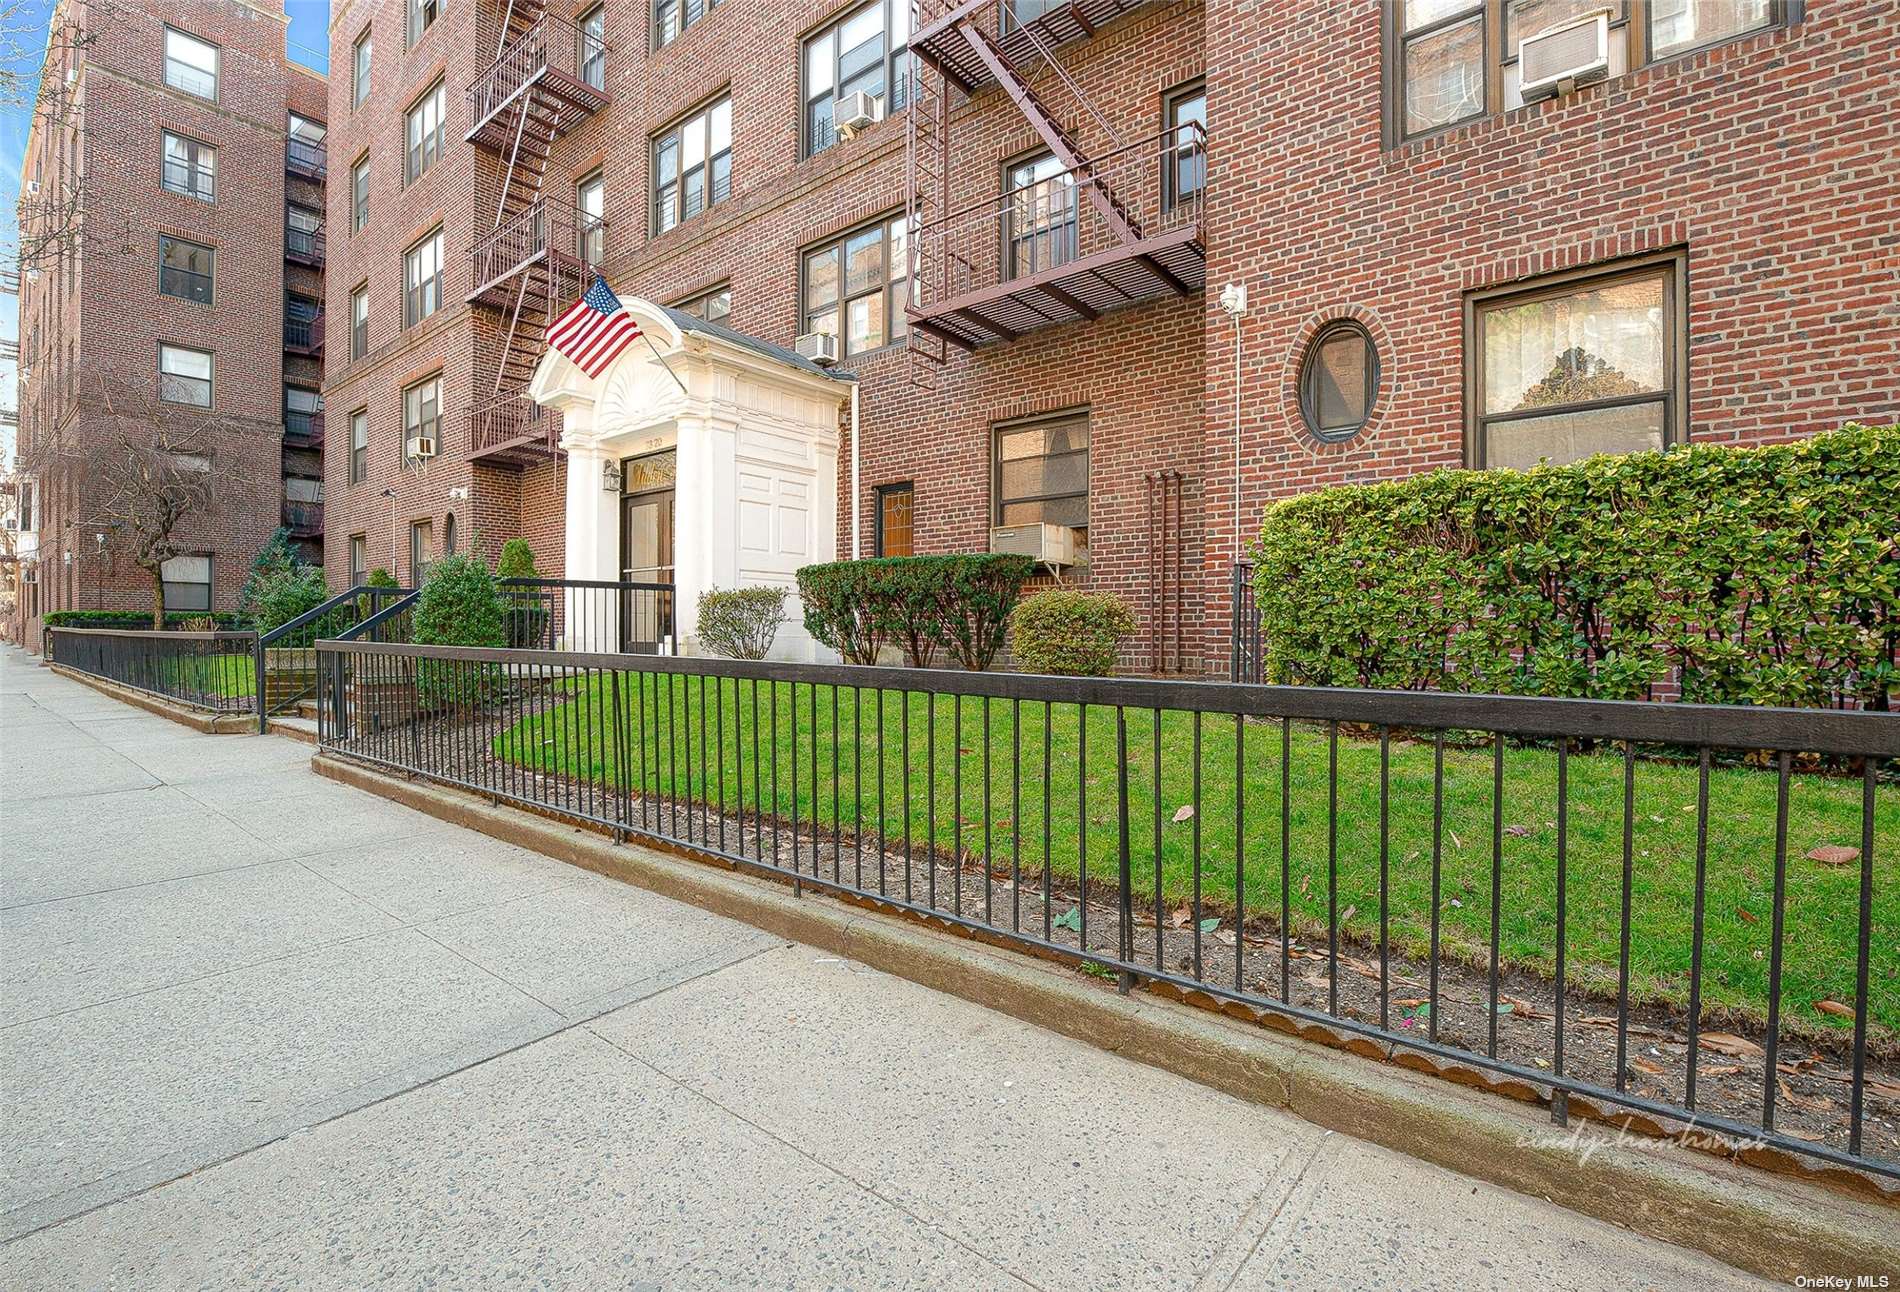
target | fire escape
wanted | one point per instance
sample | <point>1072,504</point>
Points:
<point>1085,231</point>
<point>538,256</point>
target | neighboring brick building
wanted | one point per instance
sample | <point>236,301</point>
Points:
<point>173,266</point>
<point>1066,230</point>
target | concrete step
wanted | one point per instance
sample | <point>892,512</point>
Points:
<point>297,728</point>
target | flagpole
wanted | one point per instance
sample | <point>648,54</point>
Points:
<point>664,364</point>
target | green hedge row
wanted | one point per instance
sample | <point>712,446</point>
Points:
<point>1765,575</point>
<point>139,620</point>
<point>922,603</point>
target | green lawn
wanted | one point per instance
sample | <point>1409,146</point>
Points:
<point>230,676</point>
<point>1821,905</point>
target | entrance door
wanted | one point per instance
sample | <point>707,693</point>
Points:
<point>646,552</point>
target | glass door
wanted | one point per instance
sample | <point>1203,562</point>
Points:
<point>646,552</point>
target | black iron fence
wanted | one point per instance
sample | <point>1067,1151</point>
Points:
<point>589,614</point>
<point>1665,913</point>
<point>1245,660</point>
<point>285,661</point>
<point>211,671</point>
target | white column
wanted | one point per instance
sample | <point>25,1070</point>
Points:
<point>593,535</point>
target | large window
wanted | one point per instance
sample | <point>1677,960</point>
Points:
<point>590,218</point>
<point>1187,149</point>
<point>427,132</point>
<point>191,168</point>
<point>1449,61</point>
<point>422,16</point>
<point>692,165</point>
<point>1041,472</point>
<point>187,582</point>
<point>185,269</point>
<point>191,64</point>
<point>359,322</point>
<point>1581,364</point>
<point>671,17</point>
<point>184,375</point>
<point>855,288</point>
<point>593,50</point>
<point>359,194</point>
<point>422,413</point>
<point>360,56</point>
<point>1041,215</point>
<point>359,446</point>
<point>422,280</point>
<point>712,305</point>
<point>894,531</point>
<point>862,53</point>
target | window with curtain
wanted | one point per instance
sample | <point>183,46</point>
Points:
<point>191,168</point>
<point>187,582</point>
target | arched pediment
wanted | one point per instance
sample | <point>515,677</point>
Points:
<point>560,383</point>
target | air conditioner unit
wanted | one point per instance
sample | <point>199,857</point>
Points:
<point>32,188</point>
<point>1572,53</point>
<point>854,112</point>
<point>421,446</point>
<point>1049,544</point>
<point>819,347</point>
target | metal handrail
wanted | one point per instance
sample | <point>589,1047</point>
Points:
<point>1155,145</point>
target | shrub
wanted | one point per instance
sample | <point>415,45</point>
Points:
<point>911,602</point>
<point>280,595</point>
<point>841,610</point>
<point>980,592</point>
<point>140,620</point>
<point>367,605</point>
<point>1766,575</point>
<point>528,610</point>
<point>276,557</point>
<point>517,560</point>
<point>741,623</point>
<point>1070,632</point>
<point>459,606</point>
<point>960,602</point>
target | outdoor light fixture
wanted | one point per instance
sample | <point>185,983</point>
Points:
<point>610,477</point>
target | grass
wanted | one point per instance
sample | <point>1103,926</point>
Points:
<point>229,676</point>
<point>1820,909</point>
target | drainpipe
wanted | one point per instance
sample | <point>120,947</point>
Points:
<point>857,521</point>
<point>1233,301</point>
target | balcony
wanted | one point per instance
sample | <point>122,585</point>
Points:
<point>514,431</point>
<point>547,230</point>
<point>303,429</point>
<point>303,519</point>
<point>554,71</point>
<point>1118,230</point>
<point>1023,30</point>
<point>304,336</point>
<point>304,246</point>
<point>311,161</point>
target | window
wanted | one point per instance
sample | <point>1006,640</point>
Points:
<point>1339,379</point>
<point>422,16</point>
<point>428,123</point>
<point>422,413</point>
<point>421,545</point>
<point>359,561</point>
<point>359,194</point>
<point>893,519</point>
<point>862,53</point>
<point>590,204</point>
<point>359,321</point>
<point>359,446</point>
<point>191,168</point>
<point>713,305</point>
<point>187,582</point>
<point>303,411</point>
<point>304,130</point>
<point>303,232</point>
<point>359,70</point>
<point>184,269</point>
<point>1041,215</point>
<point>671,17</point>
<point>692,165</point>
<point>1187,149</point>
<point>191,64</point>
<point>593,50</point>
<point>854,287</point>
<point>1042,473</point>
<point>422,279</point>
<point>1449,61</point>
<point>184,376</point>
<point>448,534</point>
<point>26,506</point>
<point>1586,363</point>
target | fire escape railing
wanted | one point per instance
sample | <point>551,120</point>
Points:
<point>551,45</point>
<point>542,226</point>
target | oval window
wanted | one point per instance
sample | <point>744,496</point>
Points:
<point>1338,381</point>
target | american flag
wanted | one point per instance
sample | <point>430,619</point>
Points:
<point>594,329</point>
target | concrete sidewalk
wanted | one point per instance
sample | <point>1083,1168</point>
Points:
<point>262,1030</point>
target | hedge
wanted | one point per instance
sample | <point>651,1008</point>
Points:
<point>1067,631</point>
<point>1765,575</point>
<point>139,620</point>
<point>960,603</point>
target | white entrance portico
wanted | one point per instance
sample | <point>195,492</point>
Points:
<point>725,477</point>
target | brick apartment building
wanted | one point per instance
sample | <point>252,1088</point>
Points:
<point>171,216</point>
<point>1021,252</point>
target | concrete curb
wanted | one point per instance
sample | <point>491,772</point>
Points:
<point>1769,1225</point>
<point>212,724</point>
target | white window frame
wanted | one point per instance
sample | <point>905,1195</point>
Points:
<point>169,355</point>
<point>821,70</point>
<point>183,78</point>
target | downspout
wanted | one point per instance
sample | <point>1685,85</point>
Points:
<point>857,509</point>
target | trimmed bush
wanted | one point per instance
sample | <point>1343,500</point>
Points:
<point>1766,575</point>
<point>459,606</point>
<point>922,602</point>
<point>280,595</point>
<point>741,623</point>
<point>517,560</point>
<point>277,557</point>
<point>141,620</point>
<point>843,608</point>
<point>528,610</point>
<point>980,592</point>
<point>1070,632</point>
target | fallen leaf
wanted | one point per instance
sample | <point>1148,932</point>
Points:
<point>1348,913</point>
<point>1523,1008</point>
<point>1835,1008</point>
<point>1729,1043</point>
<point>1180,917</point>
<point>1210,924</point>
<point>1517,830</point>
<point>1069,919</point>
<point>1183,812</point>
<point>1834,854</point>
<point>1456,842</point>
<point>1304,881</point>
<point>1748,916</point>
<point>1644,1065</point>
<point>1721,1070</point>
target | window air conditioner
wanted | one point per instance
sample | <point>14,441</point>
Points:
<point>1049,544</point>
<point>854,112</point>
<point>32,188</point>
<point>1575,52</point>
<point>819,347</point>
<point>421,446</point>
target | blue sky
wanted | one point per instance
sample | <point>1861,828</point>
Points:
<point>308,43</point>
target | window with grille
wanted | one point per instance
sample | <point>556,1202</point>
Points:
<point>855,287</point>
<point>864,52</point>
<point>422,279</point>
<point>190,168</point>
<point>191,64</point>
<point>692,165</point>
<point>427,132</point>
